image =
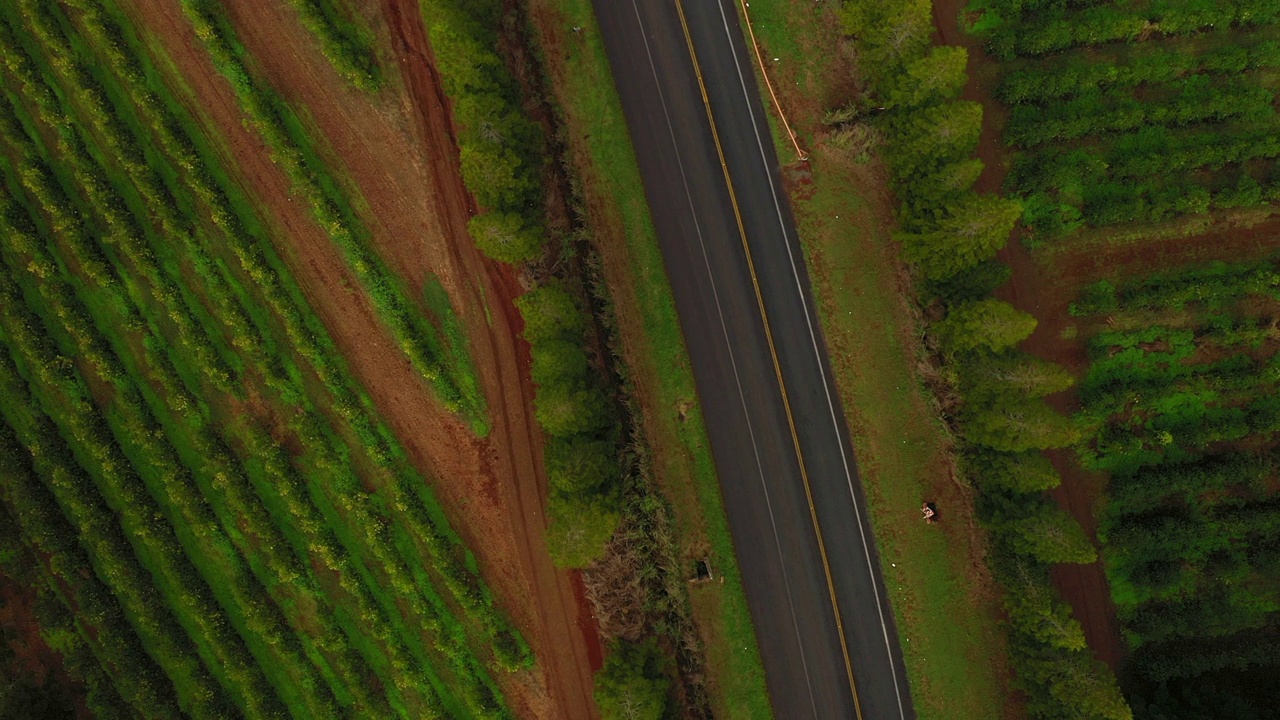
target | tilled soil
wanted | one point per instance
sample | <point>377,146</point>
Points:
<point>395,152</point>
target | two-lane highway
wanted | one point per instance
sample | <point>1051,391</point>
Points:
<point>787,471</point>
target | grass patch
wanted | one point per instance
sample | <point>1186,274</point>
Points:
<point>946,628</point>
<point>598,143</point>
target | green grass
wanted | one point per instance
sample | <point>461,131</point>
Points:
<point>583,90</point>
<point>945,613</point>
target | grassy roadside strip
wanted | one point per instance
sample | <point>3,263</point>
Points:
<point>600,149</point>
<point>955,654</point>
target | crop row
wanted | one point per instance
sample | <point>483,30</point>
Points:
<point>343,41</point>
<point>241,510</point>
<point>1197,99</point>
<point>409,495</point>
<point>433,534</point>
<point>1014,31</point>
<point>1040,81</point>
<point>1185,419</point>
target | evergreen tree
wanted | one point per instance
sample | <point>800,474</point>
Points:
<point>1021,472</point>
<point>976,227</point>
<point>988,325</point>
<point>1013,374</point>
<point>937,76</point>
<point>1017,425</point>
<point>1048,534</point>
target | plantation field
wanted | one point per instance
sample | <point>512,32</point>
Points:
<point>1180,406</point>
<point>1123,113</point>
<point>266,436</point>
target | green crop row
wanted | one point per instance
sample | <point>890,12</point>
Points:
<point>419,507</point>
<point>293,150</point>
<point>238,496</point>
<point>103,622</point>
<point>1143,112</point>
<point>345,43</point>
<point>90,683</point>
<point>468,584</point>
<point>56,385</point>
<point>1014,28</point>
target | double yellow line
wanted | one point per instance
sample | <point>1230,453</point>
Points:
<point>777,367</point>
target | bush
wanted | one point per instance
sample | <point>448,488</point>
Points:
<point>579,529</point>
<point>505,237</point>
<point>571,407</point>
<point>579,465</point>
<point>633,683</point>
<point>551,313</point>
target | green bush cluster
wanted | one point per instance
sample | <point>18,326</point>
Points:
<point>946,229</point>
<point>501,150</point>
<point>950,235</point>
<point>163,422</point>
<point>344,41</point>
<point>633,683</point>
<point>1136,113</point>
<point>578,416</point>
<point>1177,414</point>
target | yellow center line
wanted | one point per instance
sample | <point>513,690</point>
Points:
<point>777,366</point>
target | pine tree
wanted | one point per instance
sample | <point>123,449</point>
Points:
<point>1048,534</point>
<point>987,325</point>
<point>1014,425</point>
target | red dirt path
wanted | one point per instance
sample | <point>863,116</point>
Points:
<point>395,150</point>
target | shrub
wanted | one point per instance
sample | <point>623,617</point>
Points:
<point>579,529</point>
<point>633,683</point>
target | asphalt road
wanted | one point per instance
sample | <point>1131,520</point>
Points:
<point>777,429</point>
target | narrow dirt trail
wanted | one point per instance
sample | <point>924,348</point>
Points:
<point>396,147</point>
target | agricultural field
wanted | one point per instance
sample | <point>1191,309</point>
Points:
<point>1180,409</point>
<point>268,446</point>
<point>178,419</point>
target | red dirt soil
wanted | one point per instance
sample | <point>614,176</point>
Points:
<point>395,151</point>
